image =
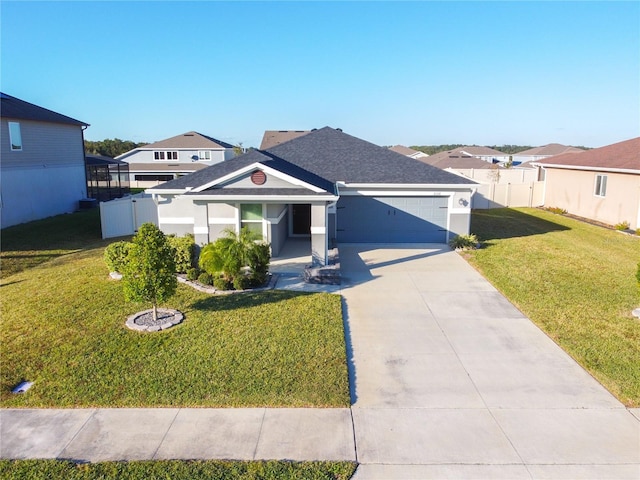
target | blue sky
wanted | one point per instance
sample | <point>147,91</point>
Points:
<point>412,73</point>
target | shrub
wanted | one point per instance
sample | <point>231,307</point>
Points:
<point>464,242</point>
<point>228,256</point>
<point>622,226</point>
<point>258,257</point>
<point>222,283</point>
<point>115,255</point>
<point>205,278</point>
<point>241,282</point>
<point>185,249</point>
<point>557,210</point>
<point>193,274</point>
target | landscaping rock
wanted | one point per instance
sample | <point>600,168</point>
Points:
<point>636,312</point>
<point>144,322</point>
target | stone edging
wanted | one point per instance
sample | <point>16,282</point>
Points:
<point>273,278</point>
<point>177,318</point>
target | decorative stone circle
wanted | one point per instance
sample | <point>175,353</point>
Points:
<point>143,321</point>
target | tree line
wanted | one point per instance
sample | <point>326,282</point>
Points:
<point>110,147</point>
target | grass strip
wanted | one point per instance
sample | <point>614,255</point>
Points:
<point>175,469</point>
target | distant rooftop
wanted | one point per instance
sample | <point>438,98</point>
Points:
<point>272,138</point>
<point>550,149</point>
<point>189,140</point>
<point>455,159</point>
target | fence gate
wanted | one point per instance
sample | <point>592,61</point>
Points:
<point>124,216</point>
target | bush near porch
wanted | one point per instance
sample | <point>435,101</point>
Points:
<point>63,328</point>
<point>576,281</point>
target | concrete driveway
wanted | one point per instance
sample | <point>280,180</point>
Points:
<point>450,380</point>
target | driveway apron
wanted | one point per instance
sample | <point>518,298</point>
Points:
<point>450,380</point>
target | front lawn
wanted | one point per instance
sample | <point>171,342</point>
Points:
<point>575,281</point>
<point>63,328</point>
<point>175,469</point>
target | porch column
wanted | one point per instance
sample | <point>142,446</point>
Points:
<point>200,223</point>
<point>319,238</point>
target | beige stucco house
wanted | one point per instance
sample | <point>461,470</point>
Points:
<point>602,184</point>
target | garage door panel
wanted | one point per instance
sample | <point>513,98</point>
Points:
<point>392,219</point>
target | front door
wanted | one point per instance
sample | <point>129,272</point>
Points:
<point>301,219</point>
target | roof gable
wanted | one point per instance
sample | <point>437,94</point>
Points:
<point>618,156</point>
<point>12,107</point>
<point>188,140</point>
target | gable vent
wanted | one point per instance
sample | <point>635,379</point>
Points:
<point>259,177</point>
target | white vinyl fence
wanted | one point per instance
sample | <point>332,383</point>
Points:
<point>498,195</point>
<point>124,216</point>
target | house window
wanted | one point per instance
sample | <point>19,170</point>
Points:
<point>15,137</point>
<point>152,178</point>
<point>251,217</point>
<point>601,186</point>
<point>204,155</point>
<point>165,155</point>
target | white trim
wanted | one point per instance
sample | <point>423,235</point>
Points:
<point>221,221</point>
<point>200,230</point>
<point>589,169</point>
<point>318,230</point>
<point>270,199</point>
<point>395,193</point>
<point>259,166</point>
<point>277,219</point>
<point>404,186</point>
<point>177,220</point>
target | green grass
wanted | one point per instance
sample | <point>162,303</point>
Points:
<point>575,281</point>
<point>175,470</point>
<point>31,244</point>
<point>63,328</point>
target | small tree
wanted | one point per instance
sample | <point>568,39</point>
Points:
<point>148,274</point>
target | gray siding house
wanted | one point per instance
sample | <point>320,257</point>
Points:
<point>42,172</point>
<point>327,186</point>
<point>173,157</point>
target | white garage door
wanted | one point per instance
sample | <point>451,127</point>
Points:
<point>392,219</point>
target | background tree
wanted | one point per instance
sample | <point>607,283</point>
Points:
<point>149,272</point>
<point>110,147</point>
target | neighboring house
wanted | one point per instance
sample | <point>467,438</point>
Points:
<point>486,154</point>
<point>42,172</point>
<point>456,159</point>
<point>408,152</point>
<point>271,138</point>
<point>325,185</point>
<point>540,153</point>
<point>601,184</point>
<point>165,160</point>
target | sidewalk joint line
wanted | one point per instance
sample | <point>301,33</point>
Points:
<point>255,450</point>
<point>153,457</point>
<point>93,413</point>
<point>353,430</point>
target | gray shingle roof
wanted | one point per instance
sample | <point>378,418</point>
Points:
<point>338,157</point>
<point>12,107</point>
<point>324,157</point>
<point>188,140</point>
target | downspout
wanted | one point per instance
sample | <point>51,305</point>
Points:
<point>84,160</point>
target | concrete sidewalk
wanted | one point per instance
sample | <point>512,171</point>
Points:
<point>93,435</point>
